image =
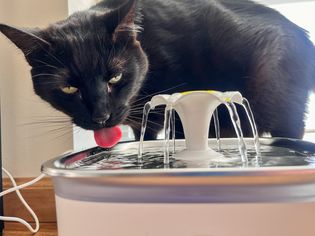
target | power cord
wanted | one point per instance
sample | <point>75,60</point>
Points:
<point>16,189</point>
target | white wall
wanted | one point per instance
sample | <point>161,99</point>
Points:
<point>26,146</point>
<point>77,5</point>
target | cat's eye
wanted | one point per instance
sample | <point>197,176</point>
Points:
<point>115,79</point>
<point>69,90</point>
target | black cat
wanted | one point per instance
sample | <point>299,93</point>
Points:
<point>101,65</point>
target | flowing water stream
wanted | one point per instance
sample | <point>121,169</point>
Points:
<point>252,122</point>
<point>167,131</point>
<point>238,129</point>
<point>169,128</point>
<point>146,111</point>
<point>217,128</point>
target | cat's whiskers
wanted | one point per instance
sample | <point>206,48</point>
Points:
<point>66,133</point>
<point>140,120</point>
<point>51,84</point>
<point>125,47</point>
<point>47,124</point>
<point>137,124</point>
<point>150,123</point>
<point>47,51</point>
<point>140,106</point>
<point>48,83</point>
<point>139,111</point>
<point>64,130</point>
<point>51,118</point>
<point>54,57</point>
<point>159,92</point>
<point>45,64</point>
<point>44,74</point>
<point>112,53</point>
<point>139,114</point>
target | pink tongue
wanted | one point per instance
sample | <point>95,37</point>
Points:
<point>108,137</point>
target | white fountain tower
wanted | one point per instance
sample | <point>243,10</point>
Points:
<point>195,110</point>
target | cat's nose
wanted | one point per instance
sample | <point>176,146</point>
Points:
<point>101,119</point>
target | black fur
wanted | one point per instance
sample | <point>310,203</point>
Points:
<point>172,45</point>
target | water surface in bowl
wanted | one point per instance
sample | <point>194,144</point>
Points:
<point>127,158</point>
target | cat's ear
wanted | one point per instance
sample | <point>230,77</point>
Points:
<point>122,19</point>
<point>28,40</point>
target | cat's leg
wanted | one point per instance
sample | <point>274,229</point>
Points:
<point>279,113</point>
<point>278,92</point>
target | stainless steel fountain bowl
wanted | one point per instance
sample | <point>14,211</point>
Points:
<point>237,184</point>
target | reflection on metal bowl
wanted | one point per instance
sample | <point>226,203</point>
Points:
<point>107,192</point>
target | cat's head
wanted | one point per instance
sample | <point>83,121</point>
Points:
<point>89,66</point>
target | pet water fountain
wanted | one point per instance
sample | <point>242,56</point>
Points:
<point>203,187</point>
